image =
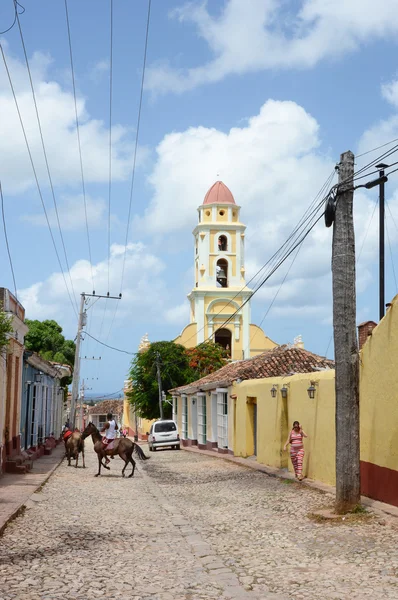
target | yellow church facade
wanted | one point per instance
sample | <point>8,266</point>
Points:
<point>220,299</point>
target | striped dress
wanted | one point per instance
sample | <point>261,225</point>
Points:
<point>297,451</point>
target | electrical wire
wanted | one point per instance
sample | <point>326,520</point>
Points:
<point>111,347</point>
<point>274,298</point>
<point>6,239</point>
<point>377,148</point>
<point>310,211</point>
<point>110,138</point>
<point>36,177</point>
<point>79,142</point>
<point>45,155</point>
<point>136,140</point>
<point>16,4</point>
<point>134,162</point>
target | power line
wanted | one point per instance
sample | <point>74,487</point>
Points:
<point>110,139</point>
<point>45,154</point>
<point>134,162</point>
<point>16,4</point>
<point>35,176</point>
<point>310,211</point>
<point>78,141</point>
<point>377,148</point>
<point>136,141</point>
<point>6,239</point>
<point>107,345</point>
<point>275,297</point>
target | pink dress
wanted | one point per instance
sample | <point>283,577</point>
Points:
<point>297,451</point>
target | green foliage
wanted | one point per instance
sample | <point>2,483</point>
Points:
<point>178,366</point>
<point>5,329</point>
<point>45,338</point>
<point>174,370</point>
<point>206,358</point>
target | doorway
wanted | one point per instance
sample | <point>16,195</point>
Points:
<point>224,338</point>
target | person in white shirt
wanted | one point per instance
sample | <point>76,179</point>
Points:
<point>109,429</point>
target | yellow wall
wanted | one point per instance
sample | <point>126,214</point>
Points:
<point>259,341</point>
<point>187,337</point>
<point>144,425</point>
<point>378,393</point>
<point>276,415</point>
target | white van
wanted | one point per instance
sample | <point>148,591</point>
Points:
<point>163,434</point>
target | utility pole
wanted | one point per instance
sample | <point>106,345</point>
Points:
<point>382,301</point>
<point>159,385</point>
<point>348,489</point>
<point>82,320</point>
<point>76,368</point>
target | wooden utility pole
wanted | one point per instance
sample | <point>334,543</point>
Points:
<point>159,385</point>
<point>348,490</point>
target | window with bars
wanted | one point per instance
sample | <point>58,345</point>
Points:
<point>202,420</point>
<point>184,417</point>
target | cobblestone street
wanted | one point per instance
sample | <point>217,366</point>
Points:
<point>189,526</point>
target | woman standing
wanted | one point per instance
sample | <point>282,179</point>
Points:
<point>295,440</point>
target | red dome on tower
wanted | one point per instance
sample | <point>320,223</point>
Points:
<point>219,194</point>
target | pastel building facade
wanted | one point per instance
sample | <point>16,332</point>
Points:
<point>220,300</point>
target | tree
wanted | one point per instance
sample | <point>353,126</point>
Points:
<point>206,358</point>
<point>45,338</point>
<point>174,371</point>
<point>5,329</point>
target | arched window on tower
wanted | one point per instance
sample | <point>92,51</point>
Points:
<point>222,243</point>
<point>224,338</point>
<point>222,273</point>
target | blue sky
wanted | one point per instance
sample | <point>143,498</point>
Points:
<point>266,93</point>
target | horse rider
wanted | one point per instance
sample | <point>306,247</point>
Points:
<point>109,429</point>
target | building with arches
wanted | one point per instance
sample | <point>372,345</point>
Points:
<point>220,299</point>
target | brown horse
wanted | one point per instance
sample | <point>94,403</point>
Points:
<point>74,445</point>
<point>121,446</point>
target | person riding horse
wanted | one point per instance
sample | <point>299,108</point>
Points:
<point>109,429</point>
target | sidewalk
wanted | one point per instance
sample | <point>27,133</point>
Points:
<point>251,463</point>
<point>15,490</point>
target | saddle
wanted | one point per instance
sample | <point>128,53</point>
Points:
<point>67,435</point>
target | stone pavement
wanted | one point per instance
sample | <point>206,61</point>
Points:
<point>189,527</point>
<point>15,490</point>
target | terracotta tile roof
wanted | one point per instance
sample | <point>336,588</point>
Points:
<point>107,406</point>
<point>280,361</point>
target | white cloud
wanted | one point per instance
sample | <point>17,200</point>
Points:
<point>274,169</point>
<point>266,34</point>
<point>57,115</point>
<point>71,213</point>
<point>142,282</point>
<point>98,71</point>
<point>390,92</point>
<point>178,315</point>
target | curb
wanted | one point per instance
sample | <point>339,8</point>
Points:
<point>378,507</point>
<point>22,507</point>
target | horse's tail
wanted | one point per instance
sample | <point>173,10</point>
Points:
<point>140,452</point>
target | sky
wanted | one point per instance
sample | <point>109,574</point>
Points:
<point>262,94</point>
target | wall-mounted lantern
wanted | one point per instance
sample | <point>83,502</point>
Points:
<point>311,390</point>
<point>284,391</point>
<point>274,391</point>
<point>37,377</point>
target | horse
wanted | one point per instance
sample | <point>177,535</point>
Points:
<point>73,445</point>
<point>121,446</point>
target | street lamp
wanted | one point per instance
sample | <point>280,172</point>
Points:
<point>274,391</point>
<point>311,391</point>
<point>284,391</point>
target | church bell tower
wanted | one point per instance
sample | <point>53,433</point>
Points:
<point>220,299</point>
